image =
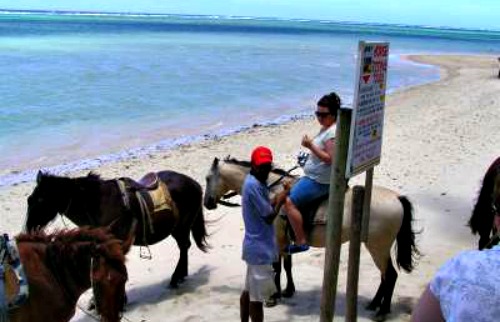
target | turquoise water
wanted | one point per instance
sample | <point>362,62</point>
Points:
<point>78,90</point>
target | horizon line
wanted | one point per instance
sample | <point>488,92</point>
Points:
<point>131,13</point>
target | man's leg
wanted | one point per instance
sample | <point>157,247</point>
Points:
<point>256,311</point>
<point>244,306</point>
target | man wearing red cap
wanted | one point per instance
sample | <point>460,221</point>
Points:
<point>259,243</point>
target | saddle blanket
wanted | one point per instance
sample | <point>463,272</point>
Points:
<point>13,283</point>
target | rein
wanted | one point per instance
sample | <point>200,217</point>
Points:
<point>231,194</point>
<point>282,177</point>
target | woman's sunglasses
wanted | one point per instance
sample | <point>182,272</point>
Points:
<point>322,114</point>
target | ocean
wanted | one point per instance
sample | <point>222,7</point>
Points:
<point>80,89</point>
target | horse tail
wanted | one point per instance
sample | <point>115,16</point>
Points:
<point>481,220</point>
<point>199,231</point>
<point>406,249</point>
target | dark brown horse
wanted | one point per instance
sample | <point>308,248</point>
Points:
<point>487,205</point>
<point>59,267</point>
<point>162,204</point>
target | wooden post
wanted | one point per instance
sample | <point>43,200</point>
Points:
<point>366,205</point>
<point>335,216</point>
<point>358,194</point>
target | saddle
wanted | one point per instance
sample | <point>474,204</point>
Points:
<point>149,181</point>
<point>13,282</point>
<point>153,196</point>
<point>151,192</point>
<point>156,194</point>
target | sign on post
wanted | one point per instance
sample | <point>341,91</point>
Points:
<point>365,144</point>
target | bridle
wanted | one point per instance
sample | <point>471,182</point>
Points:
<point>223,200</point>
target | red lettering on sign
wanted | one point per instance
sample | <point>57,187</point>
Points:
<point>381,51</point>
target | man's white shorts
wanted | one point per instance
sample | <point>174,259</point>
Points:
<point>259,282</point>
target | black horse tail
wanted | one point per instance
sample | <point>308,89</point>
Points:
<point>406,249</point>
<point>199,231</point>
<point>481,220</point>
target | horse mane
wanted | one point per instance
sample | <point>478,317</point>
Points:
<point>69,241</point>
<point>90,177</point>
<point>248,164</point>
<point>480,220</point>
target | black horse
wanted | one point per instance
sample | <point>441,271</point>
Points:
<point>160,204</point>
<point>487,205</point>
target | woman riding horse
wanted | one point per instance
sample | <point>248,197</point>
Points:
<point>391,220</point>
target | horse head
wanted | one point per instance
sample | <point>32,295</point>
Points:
<point>45,202</point>
<point>108,277</point>
<point>73,197</point>
<point>214,189</point>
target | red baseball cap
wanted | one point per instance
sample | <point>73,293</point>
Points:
<point>261,155</point>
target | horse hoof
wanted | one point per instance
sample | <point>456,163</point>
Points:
<point>288,293</point>
<point>380,317</point>
<point>173,285</point>
<point>371,307</point>
<point>271,302</point>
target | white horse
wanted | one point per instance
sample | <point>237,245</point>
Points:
<point>391,220</point>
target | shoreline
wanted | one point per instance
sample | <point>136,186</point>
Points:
<point>21,175</point>
<point>439,139</point>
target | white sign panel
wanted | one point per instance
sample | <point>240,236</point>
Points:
<point>365,143</point>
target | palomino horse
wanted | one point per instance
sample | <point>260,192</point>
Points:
<point>164,203</point>
<point>390,220</point>
<point>59,267</point>
<point>487,205</point>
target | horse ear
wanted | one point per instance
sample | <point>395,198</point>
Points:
<point>39,176</point>
<point>216,162</point>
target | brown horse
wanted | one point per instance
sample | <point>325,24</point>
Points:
<point>391,219</point>
<point>487,205</point>
<point>164,203</point>
<point>59,267</point>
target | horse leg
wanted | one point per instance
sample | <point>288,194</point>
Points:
<point>273,299</point>
<point>290,285</point>
<point>181,269</point>
<point>382,299</point>
<point>390,282</point>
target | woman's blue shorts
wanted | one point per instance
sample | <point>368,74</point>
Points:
<point>307,190</point>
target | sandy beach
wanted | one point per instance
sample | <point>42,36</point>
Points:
<point>439,139</point>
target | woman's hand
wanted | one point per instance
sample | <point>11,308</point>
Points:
<point>307,141</point>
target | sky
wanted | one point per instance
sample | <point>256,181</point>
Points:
<point>474,14</point>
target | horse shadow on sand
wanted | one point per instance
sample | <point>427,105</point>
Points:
<point>159,292</point>
<point>307,304</point>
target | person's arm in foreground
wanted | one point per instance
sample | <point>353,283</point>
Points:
<point>427,309</point>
